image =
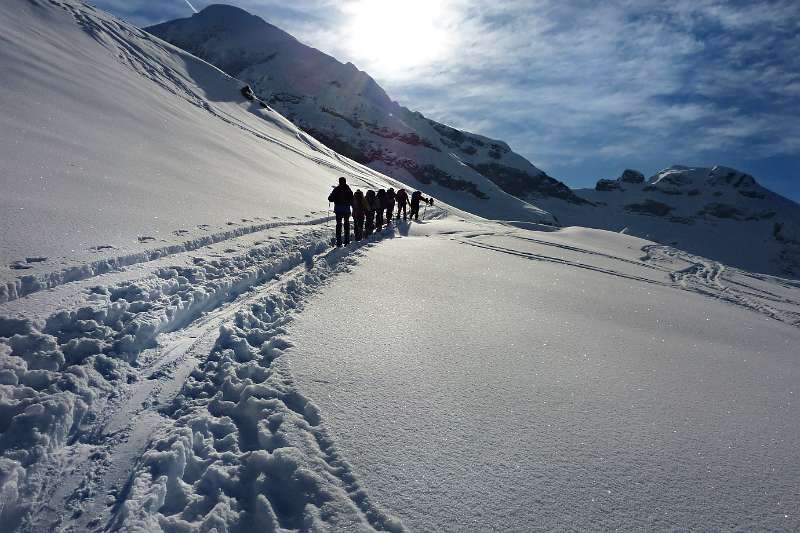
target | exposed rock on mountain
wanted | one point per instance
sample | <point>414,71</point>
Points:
<point>348,111</point>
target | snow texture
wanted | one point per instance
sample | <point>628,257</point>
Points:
<point>118,147</point>
<point>717,212</point>
<point>222,368</point>
<point>578,380</point>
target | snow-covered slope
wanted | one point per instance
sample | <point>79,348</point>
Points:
<point>717,212</point>
<point>221,374</point>
<point>117,147</point>
<point>701,212</point>
<point>347,110</point>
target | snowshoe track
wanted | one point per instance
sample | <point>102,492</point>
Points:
<point>106,370</point>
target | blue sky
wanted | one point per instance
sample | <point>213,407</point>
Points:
<point>581,88</point>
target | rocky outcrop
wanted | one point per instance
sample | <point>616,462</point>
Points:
<point>631,176</point>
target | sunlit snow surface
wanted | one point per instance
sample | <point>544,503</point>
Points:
<point>475,382</point>
<point>221,367</point>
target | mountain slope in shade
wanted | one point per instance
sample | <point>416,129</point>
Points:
<point>347,110</point>
<point>716,212</point>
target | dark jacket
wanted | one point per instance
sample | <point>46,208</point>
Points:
<point>390,198</point>
<point>342,198</point>
<point>383,203</point>
<point>401,197</point>
<point>360,206</point>
<point>371,201</point>
<point>416,198</point>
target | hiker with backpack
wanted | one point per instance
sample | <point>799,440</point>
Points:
<point>371,208</point>
<point>402,201</point>
<point>342,198</point>
<point>360,208</point>
<point>416,199</point>
<point>380,202</point>
<point>390,198</point>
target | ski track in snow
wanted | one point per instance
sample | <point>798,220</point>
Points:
<point>701,276</point>
<point>163,403</point>
<point>29,284</point>
<point>82,390</point>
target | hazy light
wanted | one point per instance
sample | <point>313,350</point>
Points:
<point>390,37</point>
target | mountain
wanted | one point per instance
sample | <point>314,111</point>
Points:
<point>123,142</point>
<point>182,349</point>
<point>347,110</point>
<point>717,212</point>
<point>700,210</point>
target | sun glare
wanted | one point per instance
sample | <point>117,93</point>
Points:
<point>391,37</point>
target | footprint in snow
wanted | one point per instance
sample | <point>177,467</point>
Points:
<point>101,247</point>
<point>180,232</point>
<point>26,264</point>
<point>146,238</point>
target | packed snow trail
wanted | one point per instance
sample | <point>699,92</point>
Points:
<point>83,390</point>
<point>539,383</point>
<point>163,389</point>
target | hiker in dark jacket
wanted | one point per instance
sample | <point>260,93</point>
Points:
<point>416,198</point>
<point>390,196</point>
<point>359,213</point>
<point>371,203</point>
<point>402,201</point>
<point>380,202</point>
<point>342,198</point>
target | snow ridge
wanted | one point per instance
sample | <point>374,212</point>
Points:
<point>347,110</point>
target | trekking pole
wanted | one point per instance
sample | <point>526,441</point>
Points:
<point>425,211</point>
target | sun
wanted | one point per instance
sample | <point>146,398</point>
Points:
<point>391,38</point>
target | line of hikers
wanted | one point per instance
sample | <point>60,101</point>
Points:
<point>368,209</point>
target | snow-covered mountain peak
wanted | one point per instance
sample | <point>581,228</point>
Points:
<point>346,109</point>
<point>717,176</point>
<point>713,211</point>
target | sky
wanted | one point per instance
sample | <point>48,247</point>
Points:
<point>583,89</point>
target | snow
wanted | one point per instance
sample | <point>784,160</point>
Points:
<point>715,212</point>
<point>222,367</point>
<point>114,142</point>
<point>338,102</point>
<point>496,390</point>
